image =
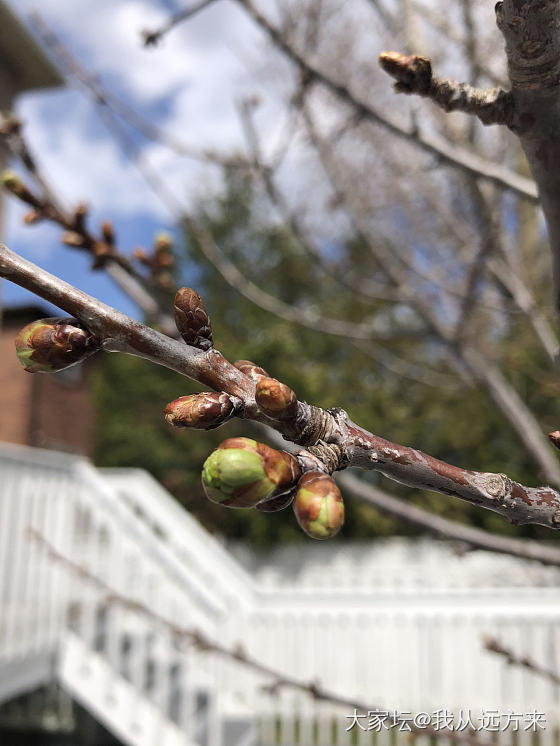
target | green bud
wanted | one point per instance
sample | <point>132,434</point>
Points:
<point>241,473</point>
<point>318,505</point>
<point>53,344</point>
<point>11,181</point>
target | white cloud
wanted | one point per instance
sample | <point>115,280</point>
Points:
<point>188,84</point>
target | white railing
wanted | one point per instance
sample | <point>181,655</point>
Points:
<point>399,624</point>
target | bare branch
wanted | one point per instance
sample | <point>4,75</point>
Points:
<point>495,646</point>
<point>237,654</point>
<point>435,524</point>
<point>414,75</point>
<point>449,154</point>
<point>151,38</point>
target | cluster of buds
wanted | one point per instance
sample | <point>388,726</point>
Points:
<point>241,473</point>
<point>80,238</point>
<point>53,344</point>
<point>160,262</point>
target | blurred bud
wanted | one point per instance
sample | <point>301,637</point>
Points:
<point>108,232</point>
<point>241,473</point>
<point>33,216</point>
<point>204,411</point>
<point>251,370</point>
<point>9,124</point>
<point>554,438</point>
<point>318,505</point>
<point>12,182</point>
<point>150,38</point>
<point>165,281</point>
<point>163,243</point>
<point>53,344</point>
<point>142,256</point>
<point>275,399</point>
<point>71,238</point>
<point>192,320</point>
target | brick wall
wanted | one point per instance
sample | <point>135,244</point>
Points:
<point>43,410</point>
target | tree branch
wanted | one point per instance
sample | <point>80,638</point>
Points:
<point>237,653</point>
<point>449,154</point>
<point>338,442</point>
<point>414,75</point>
<point>435,524</point>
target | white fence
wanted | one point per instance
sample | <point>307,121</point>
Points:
<point>397,624</point>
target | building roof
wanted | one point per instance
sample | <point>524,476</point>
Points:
<point>23,56</point>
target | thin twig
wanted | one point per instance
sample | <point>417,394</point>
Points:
<point>238,655</point>
<point>495,646</point>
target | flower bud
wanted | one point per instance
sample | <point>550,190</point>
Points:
<point>108,232</point>
<point>33,216</point>
<point>318,505</point>
<point>554,438</point>
<point>71,238</point>
<point>412,72</point>
<point>12,182</point>
<point>251,370</point>
<point>241,473</point>
<point>163,243</point>
<point>192,320</point>
<point>275,399</point>
<point>204,411</point>
<point>53,344</point>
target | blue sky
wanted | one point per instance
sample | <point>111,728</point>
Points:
<point>188,85</point>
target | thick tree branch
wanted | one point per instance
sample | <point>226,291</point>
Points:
<point>440,526</point>
<point>487,375</point>
<point>338,442</point>
<point>531,33</point>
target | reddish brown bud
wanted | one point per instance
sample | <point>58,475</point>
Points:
<point>318,506</point>
<point>53,344</point>
<point>275,399</point>
<point>204,411</point>
<point>242,473</point>
<point>554,438</point>
<point>251,370</point>
<point>192,320</point>
<point>412,72</point>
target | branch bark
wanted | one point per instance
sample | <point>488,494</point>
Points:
<point>333,440</point>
